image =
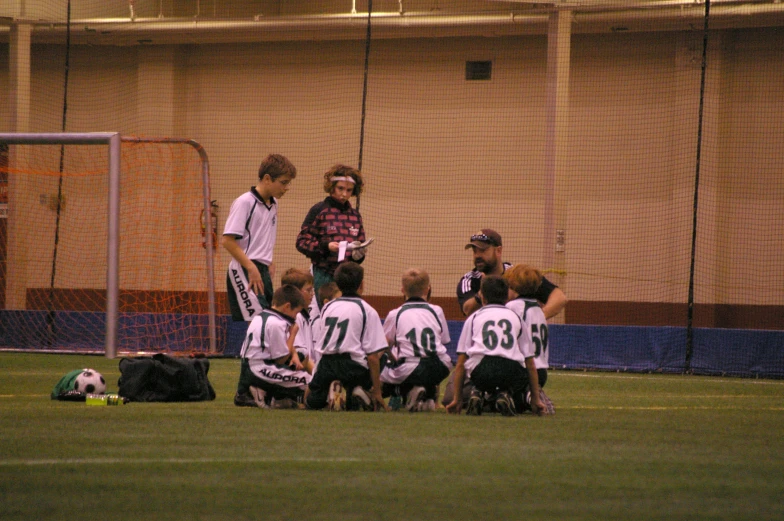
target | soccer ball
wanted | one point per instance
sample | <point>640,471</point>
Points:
<point>90,381</point>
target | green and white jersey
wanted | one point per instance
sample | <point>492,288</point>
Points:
<point>303,341</point>
<point>494,330</point>
<point>533,319</point>
<point>264,342</point>
<point>349,325</point>
<point>254,225</point>
<point>266,336</point>
<point>414,330</point>
<point>315,333</point>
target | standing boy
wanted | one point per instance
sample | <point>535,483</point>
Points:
<point>350,346</point>
<point>249,236</point>
<point>264,370</point>
<point>417,334</point>
<point>497,354</point>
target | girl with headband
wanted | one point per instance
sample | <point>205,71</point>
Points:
<point>331,222</point>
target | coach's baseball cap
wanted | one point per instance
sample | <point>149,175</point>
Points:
<point>484,239</point>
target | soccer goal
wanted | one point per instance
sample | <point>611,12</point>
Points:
<point>104,245</point>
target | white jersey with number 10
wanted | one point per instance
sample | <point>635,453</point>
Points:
<point>417,329</point>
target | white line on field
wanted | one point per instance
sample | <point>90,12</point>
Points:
<point>676,377</point>
<point>677,396</point>
<point>668,408</point>
<point>180,461</point>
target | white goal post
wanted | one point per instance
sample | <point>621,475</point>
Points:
<point>114,142</point>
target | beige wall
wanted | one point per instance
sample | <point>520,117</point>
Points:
<point>445,157</point>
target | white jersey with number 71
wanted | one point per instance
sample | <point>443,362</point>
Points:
<point>349,325</point>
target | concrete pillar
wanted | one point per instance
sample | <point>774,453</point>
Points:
<point>559,35</point>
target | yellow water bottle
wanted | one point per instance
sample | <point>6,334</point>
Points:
<point>105,399</point>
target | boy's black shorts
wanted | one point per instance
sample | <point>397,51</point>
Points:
<point>429,374</point>
<point>495,373</point>
<point>248,379</point>
<point>234,293</point>
<point>336,367</point>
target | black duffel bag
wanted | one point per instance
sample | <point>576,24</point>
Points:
<point>162,378</point>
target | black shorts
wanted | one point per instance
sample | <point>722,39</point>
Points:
<point>336,367</point>
<point>495,374</point>
<point>234,293</point>
<point>542,377</point>
<point>279,392</point>
<point>468,387</point>
<point>429,374</point>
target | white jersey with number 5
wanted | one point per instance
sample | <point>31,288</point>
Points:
<point>416,329</point>
<point>494,330</point>
<point>534,320</point>
<point>350,325</point>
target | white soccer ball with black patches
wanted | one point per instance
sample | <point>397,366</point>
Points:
<point>90,381</point>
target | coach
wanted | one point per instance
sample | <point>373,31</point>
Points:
<point>487,248</point>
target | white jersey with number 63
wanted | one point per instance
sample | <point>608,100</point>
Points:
<point>494,330</point>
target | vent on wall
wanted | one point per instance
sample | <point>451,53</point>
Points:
<point>478,70</point>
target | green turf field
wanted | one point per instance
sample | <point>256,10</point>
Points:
<point>621,446</point>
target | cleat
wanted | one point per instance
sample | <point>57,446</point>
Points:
<point>244,400</point>
<point>336,400</point>
<point>415,398</point>
<point>287,403</point>
<point>549,407</point>
<point>504,404</point>
<point>360,400</point>
<point>428,406</point>
<point>259,397</point>
<point>475,403</point>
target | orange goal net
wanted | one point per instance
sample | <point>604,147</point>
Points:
<point>57,240</point>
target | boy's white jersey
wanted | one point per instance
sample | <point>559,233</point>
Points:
<point>534,320</point>
<point>266,336</point>
<point>417,329</point>
<point>254,224</point>
<point>315,332</point>
<point>303,340</point>
<point>494,330</point>
<point>349,325</point>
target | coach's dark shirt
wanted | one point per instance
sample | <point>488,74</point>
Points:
<point>469,286</point>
